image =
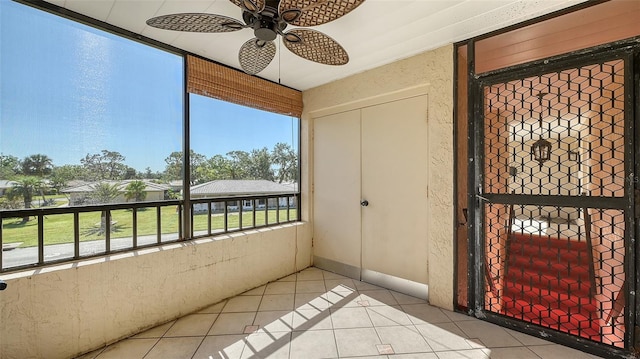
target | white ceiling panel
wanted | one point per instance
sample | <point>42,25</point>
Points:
<point>376,33</point>
<point>97,9</point>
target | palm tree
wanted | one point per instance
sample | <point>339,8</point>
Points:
<point>135,190</point>
<point>104,193</point>
<point>37,165</point>
<point>26,187</point>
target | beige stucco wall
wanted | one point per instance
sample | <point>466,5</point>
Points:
<point>435,70</point>
<point>65,310</point>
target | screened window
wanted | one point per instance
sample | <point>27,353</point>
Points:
<point>86,117</point>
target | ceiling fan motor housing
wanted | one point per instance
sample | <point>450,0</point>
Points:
<point>265,29</point>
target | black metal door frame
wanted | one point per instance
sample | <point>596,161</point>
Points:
<point>628,52</point>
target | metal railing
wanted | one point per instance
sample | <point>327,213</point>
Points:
<point>230,214</point>
<point>64,234</point>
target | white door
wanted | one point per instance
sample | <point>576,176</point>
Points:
<point>394,182</point>
<point>336,188</point>
<point>379,154</point>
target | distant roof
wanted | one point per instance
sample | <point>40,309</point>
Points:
<point>90,186</point>
<point>7,184</point>
<point>240,187</point>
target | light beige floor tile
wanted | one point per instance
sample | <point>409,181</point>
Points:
<point>425,314</point>
<point>175,348</point>
<point>311,301</point>
<point>403,339</point>
<point>342,299</point>
<point>221,346</point>
<point>511,353</point>
<point>407,299</point>
<point>192,325</point>
<point>290,278</point>
<point>350,318</point>
<point>308,319</point>
<point>248,303</point>
<point>255,291</point>
<point>457,317</point>
<point>528,339</point>
<point>274,321</point>
<point>357,341</point>
<point>310,274</point>
<point>267,345</point>
<point>388,316</point>
<point>281,288</point>
<point>445,337</point>
<point>300,325</point>
<point>313,344</point>
<point>128,348</point>
<point>366,286</point>
<point>331,275</point>
<point>232,323</point>
<point>90,355</point>
<point>464,354</point>
<point>378,297</point>
<point>489,334</point>
<point>340,285</point>
<point>310,286</point>
<point>213,309</point>
<point>414,356</point>
<point>272,302</point>
<point>558,351</point>
<point>156,332</point>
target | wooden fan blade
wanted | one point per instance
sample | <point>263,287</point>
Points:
<point>255,55</point>
<point>253,6</point>
<point>315,12</point>
<point>196,22</point>
<point>315,46</point>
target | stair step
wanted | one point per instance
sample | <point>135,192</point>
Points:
<point>576,257</point>
<point>550,299</point>
<point>547,242</point>
<point>577,287</point>
<point>583,324</point>
<point>547,266</point>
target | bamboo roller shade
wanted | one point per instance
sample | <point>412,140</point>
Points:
<point>207,78</point>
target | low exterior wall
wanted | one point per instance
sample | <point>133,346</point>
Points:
<point>69,309</point>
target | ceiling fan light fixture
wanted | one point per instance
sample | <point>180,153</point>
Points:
<point>291,15</point>
<point>250,5</point>
<point>293,38</point>
<point>233,25</point>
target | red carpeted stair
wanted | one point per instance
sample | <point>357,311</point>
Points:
<point>547,283</point>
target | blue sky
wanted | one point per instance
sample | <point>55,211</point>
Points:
<point>67,90</point>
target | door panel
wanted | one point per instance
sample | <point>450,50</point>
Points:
<point>336,203</point>
<point>555,234</point>
<point>394,182</point>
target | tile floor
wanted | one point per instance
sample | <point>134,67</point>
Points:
<point>318,314</point>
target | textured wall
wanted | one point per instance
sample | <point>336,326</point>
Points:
<point>62,311</point>
<point>434,69</point>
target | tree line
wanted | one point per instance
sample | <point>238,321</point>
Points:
<point>36,174</point>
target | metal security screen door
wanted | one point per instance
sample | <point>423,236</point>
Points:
<point>554,199</point>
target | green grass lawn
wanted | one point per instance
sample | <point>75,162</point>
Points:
<point>59,228</point>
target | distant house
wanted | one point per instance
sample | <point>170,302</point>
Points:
<point>229,188</point>
<point>5,185</point>
<point>82,193</point>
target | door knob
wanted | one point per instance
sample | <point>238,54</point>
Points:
<point>364,203</point>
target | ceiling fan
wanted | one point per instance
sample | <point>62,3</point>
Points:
<point>268,19</point>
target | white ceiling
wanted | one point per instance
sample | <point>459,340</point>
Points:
<point>378,32</point>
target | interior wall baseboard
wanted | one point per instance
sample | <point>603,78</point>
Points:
<point>405,286</point>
